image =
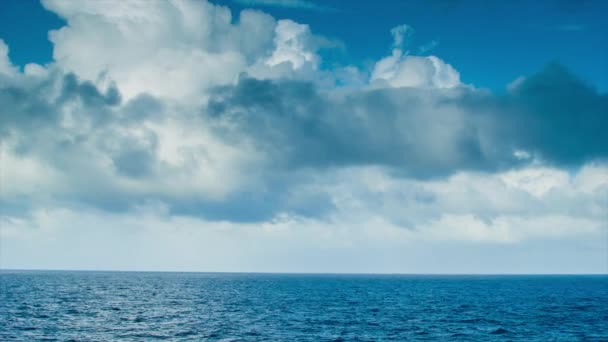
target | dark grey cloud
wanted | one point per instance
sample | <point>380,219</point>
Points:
<point>303,128</point>
<point>33,113</point>
<point>303,132</point>
<point>134,162</point>
<point>29,105</point>
<point>64,122</point>
<point>88,92</point>
<point>25,107</point>
<point>419,133</point>
<point>558,116</point>
<point>552,114</point>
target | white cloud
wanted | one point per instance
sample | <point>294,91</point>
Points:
<point>176,50</point>
<point>6,67</point>
<point>507,207</point>
<point>291,45</point>
<point>26,175</point>
<point>399,70</point>
<point>592,178</point>
<point>536,181</point>
<point>510,229</point>
<point>169,49</point>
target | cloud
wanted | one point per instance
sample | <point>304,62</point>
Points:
<point>300,127</point>
<point>175,114</point>
<point>251,139</point>
<point>290,41</point>
<point>357,238</point>
<point>295,4</point>
<point>177,50</point>
<point>421,132</point>
<point>105,151</point>
<point>401,69</point>
<point>167,49</point>
<point>494,203</point>
<point>558,116</point>
<point>401,36</point>
<point>6,66</point>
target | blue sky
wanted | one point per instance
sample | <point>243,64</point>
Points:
<point>300,136</point>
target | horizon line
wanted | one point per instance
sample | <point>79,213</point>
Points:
<point>299,273</point>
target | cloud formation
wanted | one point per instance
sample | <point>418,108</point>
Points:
<point>421,131</point>
<point>180,114</point>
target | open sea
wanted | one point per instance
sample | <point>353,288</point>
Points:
<point>140,306</point>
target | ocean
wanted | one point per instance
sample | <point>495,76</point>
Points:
<point>148,306</point>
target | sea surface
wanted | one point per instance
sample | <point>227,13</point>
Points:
<point>140,306</point>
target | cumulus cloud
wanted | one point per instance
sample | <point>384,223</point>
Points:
<point>176,114</point>
<point>421,132</point>
<point>290,41</point>
<point>168,49</point>
<point>253,151</point>
<point>401,69</point>
<point>103,152</point>
<point>301,127</point>
<point>178,49</point>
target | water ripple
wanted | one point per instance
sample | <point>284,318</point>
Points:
<point>103,306</point>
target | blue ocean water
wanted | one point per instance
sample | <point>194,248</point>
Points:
<point>139,306</point>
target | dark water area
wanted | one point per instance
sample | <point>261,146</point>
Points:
<point>139,306</point>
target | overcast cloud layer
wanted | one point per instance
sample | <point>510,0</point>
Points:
<point>180,136</point>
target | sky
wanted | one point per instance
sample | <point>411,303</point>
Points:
<point>302,136</point>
